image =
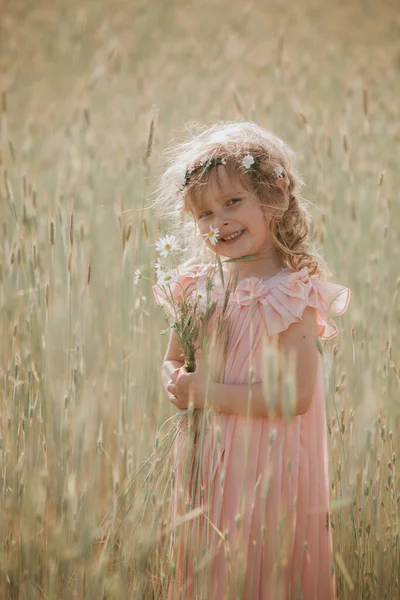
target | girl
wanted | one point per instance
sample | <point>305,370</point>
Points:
<point>262,528</point>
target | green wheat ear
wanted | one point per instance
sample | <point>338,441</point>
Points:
<point>221,272</point>
<point>241,259</point>
<point>319,346</point>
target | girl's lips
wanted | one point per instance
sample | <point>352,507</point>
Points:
<point>231,241</point>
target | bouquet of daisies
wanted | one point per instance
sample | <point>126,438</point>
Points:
<point>188,315</point>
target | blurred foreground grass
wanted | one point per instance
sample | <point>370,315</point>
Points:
<point>80,347</point>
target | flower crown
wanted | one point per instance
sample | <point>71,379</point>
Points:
<point>213,161</point>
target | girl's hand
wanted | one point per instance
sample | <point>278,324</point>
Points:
<point>171,385</point>
<point>184,386</point>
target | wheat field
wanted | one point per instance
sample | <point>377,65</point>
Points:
<point>91,93</point>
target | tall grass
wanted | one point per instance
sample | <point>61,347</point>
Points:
<point>80,351</point>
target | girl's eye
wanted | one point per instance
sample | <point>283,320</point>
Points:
<point>230,202</point>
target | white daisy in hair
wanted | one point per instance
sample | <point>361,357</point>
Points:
<point>212,235</point>
<point>165,278</point>
<point>278,172</point>
<point>248,161</point>
<point>166,245</point>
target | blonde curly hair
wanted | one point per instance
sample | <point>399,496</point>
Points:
<point>230,142</point>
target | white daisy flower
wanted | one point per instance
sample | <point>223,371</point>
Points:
<point>223,161</point>
<point>166,245</point>
<point>168,277</point>
<point>197,296</point>
<point>212,235</point>
<point>160,268</point>
<point>278,172</point>
<point>247,161</point>
<point>137,275</point>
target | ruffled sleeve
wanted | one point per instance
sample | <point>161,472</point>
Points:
<point>181,288</point>
<point>285,299</point>
<point>294,293</point>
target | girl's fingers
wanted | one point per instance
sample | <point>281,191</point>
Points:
<point>181,405</point>
<point>171,387</point>
<point>176,401</point>
<point>174,374</point>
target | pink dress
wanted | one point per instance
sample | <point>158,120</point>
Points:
<point>261,531</point>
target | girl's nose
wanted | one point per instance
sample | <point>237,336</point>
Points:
<point>221,222</point>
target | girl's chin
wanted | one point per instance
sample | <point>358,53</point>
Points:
<point>233,251</point>
<point>233,254</point>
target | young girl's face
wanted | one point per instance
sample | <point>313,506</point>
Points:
<point>244,229</point>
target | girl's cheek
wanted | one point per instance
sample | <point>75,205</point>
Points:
<point>203,226</point>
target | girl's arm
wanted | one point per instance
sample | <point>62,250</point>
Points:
<point>300,340</point>
<point>239,399</point>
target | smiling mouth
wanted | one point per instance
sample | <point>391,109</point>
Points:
<point>232,236</point>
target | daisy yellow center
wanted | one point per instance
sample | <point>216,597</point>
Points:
<point>168,246</point>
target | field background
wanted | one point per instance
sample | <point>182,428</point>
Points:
<point>80,345</point>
